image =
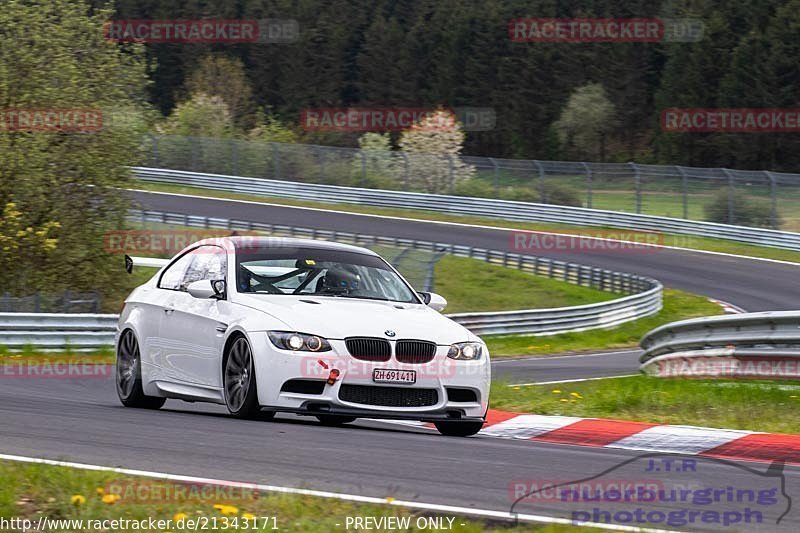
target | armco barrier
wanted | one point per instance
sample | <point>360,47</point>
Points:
<point>463,205</point>
<point>53,331</point>
<point>749,345</point>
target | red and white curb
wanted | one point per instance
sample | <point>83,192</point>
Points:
<point>641,436</point>
<point>728,308</point>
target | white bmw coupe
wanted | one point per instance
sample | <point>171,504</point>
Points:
<point>263,325</point>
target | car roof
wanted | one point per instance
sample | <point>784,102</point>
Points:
<point>250,241</point>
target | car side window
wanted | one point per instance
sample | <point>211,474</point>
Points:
<point>172,276</point>
<point>208,263</point>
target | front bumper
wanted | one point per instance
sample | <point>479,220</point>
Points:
<point>275,367</point>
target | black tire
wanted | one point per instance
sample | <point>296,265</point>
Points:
<point>335,420</point>
<point>128,375</point>
<point>458,429</point>
<point>239,382</point>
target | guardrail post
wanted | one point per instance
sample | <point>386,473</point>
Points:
<point>684,191</point>
<point>731,195</point>
<point>540,169</point>
<point>773,198</point>
<point>638,183</point>
<point>588,171</point>
<point>496,177</point>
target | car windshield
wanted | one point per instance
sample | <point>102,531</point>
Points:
<point>319,272</point>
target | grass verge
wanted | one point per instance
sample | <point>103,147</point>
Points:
<point>31,491</point>
<point>678,305</point>
<point>754,406</point>
<point>472,285</point>
<point>682,241</point>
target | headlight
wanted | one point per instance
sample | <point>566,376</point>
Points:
<point>465,351</point>
<point>289,340</point>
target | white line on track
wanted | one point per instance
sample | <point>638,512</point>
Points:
<point>464,224</point>
<point>431,507</point>
<point>571,380</point>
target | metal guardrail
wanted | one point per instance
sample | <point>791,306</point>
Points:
<point>750,345</point>
<point>643,294</point>
<point>52,331</point>
<point>464,205</point>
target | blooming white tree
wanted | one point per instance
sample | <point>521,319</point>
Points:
<point>433,145</point>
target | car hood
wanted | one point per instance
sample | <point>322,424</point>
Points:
<point>337,318</point>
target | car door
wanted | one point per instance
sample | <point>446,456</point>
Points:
<point>193,328</point>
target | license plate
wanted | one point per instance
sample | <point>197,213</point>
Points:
<point>385,375</point>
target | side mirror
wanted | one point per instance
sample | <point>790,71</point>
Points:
<point>205,289</point>
<point>433,300</point>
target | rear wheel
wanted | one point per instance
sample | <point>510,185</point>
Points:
<point>128,376</point>
<point>241,393</point>
<point>335,420</point>
<point>458,429</point>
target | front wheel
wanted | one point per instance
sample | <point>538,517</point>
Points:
<point>458,429</point>
<point>241,393</point>
<point>128,375</point>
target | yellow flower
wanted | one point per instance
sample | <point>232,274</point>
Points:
<point>575,395</point>
<point>77,500</point>
<point>226,509</point>
<point>563,400</point>
<point>100,491</point>
<point>248,516</point>
<point>179,516</point>
<point>111,498</point>
<point>516,388</point>
<point>556,391</point>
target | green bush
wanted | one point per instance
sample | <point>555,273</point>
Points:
<point>747,210</point>
<point>548,193</point>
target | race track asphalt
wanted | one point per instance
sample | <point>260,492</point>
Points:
<point>81,420</point>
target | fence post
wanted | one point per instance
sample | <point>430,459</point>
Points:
<point>684,191</point>
<point>496,177</point>
<point>406,172</point>
<point>731,193</point>
<point>773,198</point>
<point>276,162</point>
<point>638,179</point>
<point>363,168</point>
<point>540,168</point>
<point>193,163</point>
<point>234,157</point>
<point>154,138</point>
<point>321,156</point>
<point>451,172</point>
<point>588,184</point>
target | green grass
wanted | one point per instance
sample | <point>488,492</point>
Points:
<point>683,241</point>
<point>31,491</point>
<point>767,406</point>
<point>678,305</point>
<point>468,284</point>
